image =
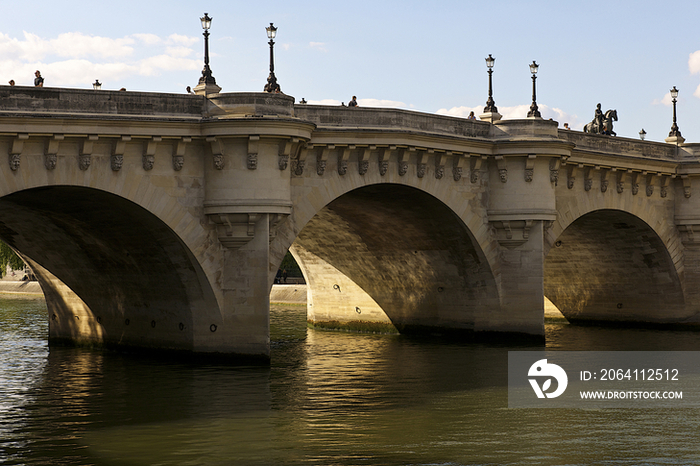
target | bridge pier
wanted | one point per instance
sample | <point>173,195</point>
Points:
<point>520,278</point>
<point>244,327</point>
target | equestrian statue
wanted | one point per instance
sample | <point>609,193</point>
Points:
<point>602,123</point>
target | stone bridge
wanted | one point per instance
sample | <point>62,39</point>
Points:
<point>159,221</point>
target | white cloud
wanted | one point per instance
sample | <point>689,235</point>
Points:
<point>324,102</point>
<point>318,46</point>
<point>77,45</point>
<point>148,39</point>
<point>152,66</point>
<point>73,58</point>
<point>380,103</point>
<point>179,39</point>
<point>666,99</point>
<point>179,51</point>
<point>694,62</point>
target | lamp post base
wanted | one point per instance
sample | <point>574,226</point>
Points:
<point>675,139</point>
<point>490,116</point>
<point>206,89</point>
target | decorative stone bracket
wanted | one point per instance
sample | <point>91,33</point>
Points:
<point>179,153</point>
<point>604,180</point>
<point>423,162</point>
<point>512,229</point>
<point>588,178</point>
<point>571,174</point>
<point>620,180</point>
<point>322,160</point>
<point>363,163</point>
<point>664,185</point>
<point>554,165</point>
<point>384,156</point>
<point>85,156</point>
<point>440,164</point>
<point>252,161</point>
<point>236,223</point>
<point>149,152</point>
<point>458,166</point>
<point>51,153</point>
<point>16,151</point>
<point>685,179</point>
<point>299,161</point>
<point>217,151</point>
<point>475,163</point>
<point>343,159</point>
<point>512,233</point>
<point>530,167</point>
<point>502,168</point>
<point>117,158</point>
<point>286,151</point>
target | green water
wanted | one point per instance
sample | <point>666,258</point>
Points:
<point>328,398</point>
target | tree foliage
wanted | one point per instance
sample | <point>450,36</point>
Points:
<point>290,265</point>
<point>9,257</point>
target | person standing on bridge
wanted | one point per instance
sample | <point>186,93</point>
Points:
<point>353,102</point>
<point>38,81</point>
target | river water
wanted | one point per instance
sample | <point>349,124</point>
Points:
<point>328,398</point>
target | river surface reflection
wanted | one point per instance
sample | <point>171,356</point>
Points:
<point>328,398</point>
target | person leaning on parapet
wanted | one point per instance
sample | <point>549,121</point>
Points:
<point>471,116</point>
<point>566,126</point>
<point>38,81</point>
<point>353,102</point>
<point>12,82</point>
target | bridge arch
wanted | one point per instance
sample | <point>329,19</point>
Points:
<point>113,273</point>
<point>389,256</point>
<point>611,265</point>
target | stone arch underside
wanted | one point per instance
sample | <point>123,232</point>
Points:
<point>609,265</point>
<point>388,257</point>
<point>113,274</point>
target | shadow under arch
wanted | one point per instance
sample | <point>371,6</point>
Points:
<point>610,266</point>
<point>113,273</point>
<point>391,257</point>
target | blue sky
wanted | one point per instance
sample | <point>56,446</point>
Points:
<point>424,56</point>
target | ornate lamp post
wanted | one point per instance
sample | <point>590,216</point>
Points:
<point>207,83</point>
<point>642,134</point>
<point>534,112</point>
<point>490,104</point>
<point>674,127</point>
<point>272,85</point>
<point>490,111</point>
<point>97,85</point>
<point>674,136</point>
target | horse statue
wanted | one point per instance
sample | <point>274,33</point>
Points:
<point>602,124</point>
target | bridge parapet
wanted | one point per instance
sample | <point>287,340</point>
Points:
<point>620,147</point>
<point>349,118</point>
<point>36,101</point>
